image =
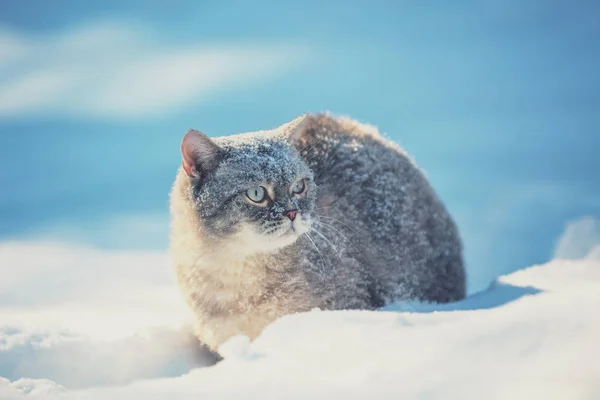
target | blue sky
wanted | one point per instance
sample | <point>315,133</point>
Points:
<point>499,102</point>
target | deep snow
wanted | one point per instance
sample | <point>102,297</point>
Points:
<point>83,323</point>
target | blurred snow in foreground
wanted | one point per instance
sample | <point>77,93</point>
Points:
<point>86,324</point>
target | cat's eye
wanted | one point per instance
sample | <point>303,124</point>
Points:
<point>298,187</point>
<point>256,194</point>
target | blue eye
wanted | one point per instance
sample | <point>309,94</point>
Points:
<point>256,194</point>
<point>298,187</point>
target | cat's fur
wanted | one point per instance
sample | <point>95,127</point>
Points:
<point>369,228</point>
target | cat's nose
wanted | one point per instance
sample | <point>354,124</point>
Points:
<point>291,214</point>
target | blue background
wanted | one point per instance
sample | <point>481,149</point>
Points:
<point>499,102</point>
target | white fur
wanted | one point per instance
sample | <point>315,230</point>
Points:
<point>222,275</point>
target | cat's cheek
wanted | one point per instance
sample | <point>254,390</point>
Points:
<point>302,225</point>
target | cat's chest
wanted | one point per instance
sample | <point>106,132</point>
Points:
<point>230,292</point>
<point>248,315</point>
<point>225,312</point>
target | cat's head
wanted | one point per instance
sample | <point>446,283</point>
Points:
<point>252,191</point>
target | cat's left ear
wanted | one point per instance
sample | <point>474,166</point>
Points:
<point>296,130</point>
<point>199,154</point>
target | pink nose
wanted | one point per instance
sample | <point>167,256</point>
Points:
<point>291,214</point>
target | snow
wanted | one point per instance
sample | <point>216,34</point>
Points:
<point>580,239</point>
<point>89,324</point>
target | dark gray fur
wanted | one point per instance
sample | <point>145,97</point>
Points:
<point>385,220</point>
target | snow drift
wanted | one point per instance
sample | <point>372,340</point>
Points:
<point>85,324</point>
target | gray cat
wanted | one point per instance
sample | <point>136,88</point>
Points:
<point>320,212</point>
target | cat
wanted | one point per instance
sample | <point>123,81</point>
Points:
<point>321,212</point>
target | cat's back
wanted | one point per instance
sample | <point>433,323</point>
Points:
<point>376,205</point>
<point>357,168</point>
<point>343,150</point>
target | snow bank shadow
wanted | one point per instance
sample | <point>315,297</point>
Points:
<point>497,295</point>
<point>78,362</point>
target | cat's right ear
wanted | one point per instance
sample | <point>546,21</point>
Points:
<point>199,154</point>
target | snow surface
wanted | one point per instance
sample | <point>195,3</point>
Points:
<point>88,324</point>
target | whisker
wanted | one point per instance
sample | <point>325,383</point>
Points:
<point>329,226</point>
<point>327,240</point>
<point>324,225</point>
<point>324,208</point>
<point>316,143</point>
<point>312,157</point>
<point>338,221</point>
<point>319,251</point>
<point>311,148</point>
<point>304,148</point>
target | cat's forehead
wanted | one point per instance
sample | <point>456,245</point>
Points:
<point>249,139</point>
<point>254,160</point>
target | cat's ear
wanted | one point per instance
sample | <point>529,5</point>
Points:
<point>296,130</point>
<point>199,154</point>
